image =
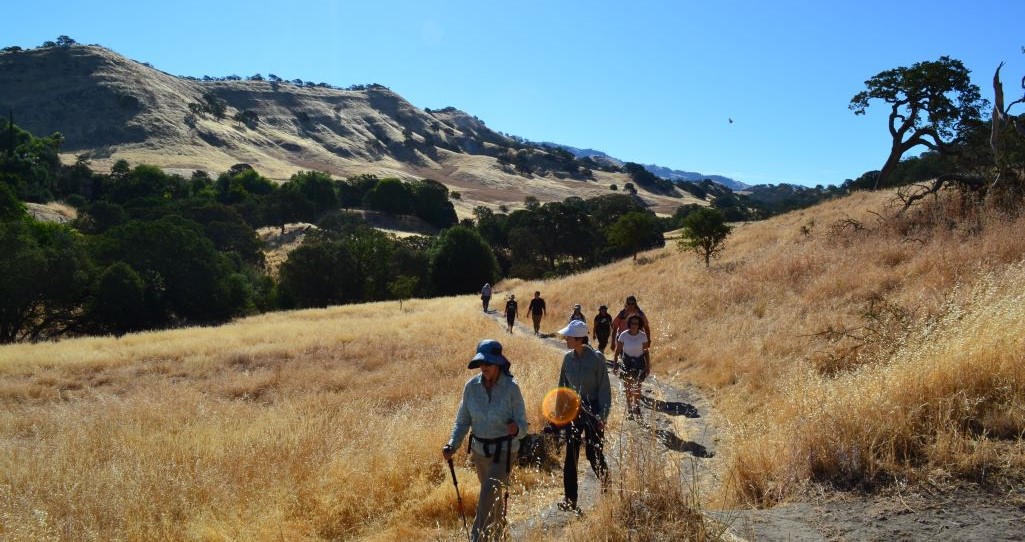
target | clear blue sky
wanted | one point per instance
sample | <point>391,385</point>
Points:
<point>645,81</point>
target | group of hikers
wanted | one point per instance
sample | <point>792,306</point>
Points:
<point>493,413</point>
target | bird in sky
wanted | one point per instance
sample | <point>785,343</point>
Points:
<point>731,121</point>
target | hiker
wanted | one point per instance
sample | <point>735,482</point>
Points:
<point>537,311</point>
<point>602,328</point>
<point>510,311</point>
<point>631,347</point>
<point>485,295</point>
<point>577,314</point>
<point>619,324</point>
<point>583,371</point>
<point>493,412</point>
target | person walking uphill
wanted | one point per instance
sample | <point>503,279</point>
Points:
<point>602,327</point>
<point>583,370</point>
<point>577,314</point>
<point>537,311</point>
<point>632,347</point>
<point>510,312</point>
<point>485,295</point>
<point>493,412</point>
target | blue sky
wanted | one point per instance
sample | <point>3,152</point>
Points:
<point>645,81</point>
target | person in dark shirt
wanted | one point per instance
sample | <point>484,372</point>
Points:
<point>537,311</point>
<point>602,327</point>
<point>510,312</point>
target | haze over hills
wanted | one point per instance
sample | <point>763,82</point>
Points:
<point>108,107</point>
<point>661,171</point>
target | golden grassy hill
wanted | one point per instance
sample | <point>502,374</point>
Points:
<point>110,108</point>
<point>844,345</point>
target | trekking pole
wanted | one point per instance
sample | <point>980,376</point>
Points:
<point>508,469</point>
<point>459,497</point>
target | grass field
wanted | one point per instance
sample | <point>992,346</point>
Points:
<point>844,344</point>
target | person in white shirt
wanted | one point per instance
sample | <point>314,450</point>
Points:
<point>631,347</point>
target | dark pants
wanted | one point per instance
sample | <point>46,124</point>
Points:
<point>485,299</point>
<point>584,428</point>
<point>603,338</point>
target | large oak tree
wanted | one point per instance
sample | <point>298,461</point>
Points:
<point>931,104</point>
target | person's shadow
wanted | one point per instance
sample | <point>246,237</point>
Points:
<point>672,408</point>
<point>675,443</point>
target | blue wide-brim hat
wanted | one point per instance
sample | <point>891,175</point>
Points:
<point>488,351</point>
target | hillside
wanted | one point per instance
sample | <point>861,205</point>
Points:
<point>859,361</point>
<point>108,108</point>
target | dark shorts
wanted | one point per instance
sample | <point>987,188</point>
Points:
<point>633,368</point>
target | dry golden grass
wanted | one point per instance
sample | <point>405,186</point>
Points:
<point>327,423</point>
<point>302,425</point>
<point>751,332</point>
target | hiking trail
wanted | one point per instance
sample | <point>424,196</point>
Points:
<point>674,418</point>
<point>683,423</point>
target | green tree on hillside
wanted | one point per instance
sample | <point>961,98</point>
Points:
<point>632,231</point>
<point>45,275</point>
<point>461,261</point>
<point>318,275</point>
<point>705,232</point>
<point>11,208</point>
<point>317,187</point>
<point>931,103</point>
<point>187,279</point>
<point>431,203</point>
<point>119,301</point>
<point>390,196</point>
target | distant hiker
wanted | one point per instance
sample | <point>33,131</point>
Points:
<point>583,370</point>
<point>510,311</point>
<point>577,314</point>
<point>485,296</point>
<point>602,328</point>
<point>537,311</point>
<point>631,347</point>
<point>493,411</point>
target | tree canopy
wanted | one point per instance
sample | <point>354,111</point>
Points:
<point>932,103</point>
<point>705,232</point>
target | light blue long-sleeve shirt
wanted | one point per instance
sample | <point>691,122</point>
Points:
<point>587,376</point>
<point>488,415</point>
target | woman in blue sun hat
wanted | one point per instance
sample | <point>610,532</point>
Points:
<point>492,411</point>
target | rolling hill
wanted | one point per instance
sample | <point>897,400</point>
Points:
<point>108,108</point>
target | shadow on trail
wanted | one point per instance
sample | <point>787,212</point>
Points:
<point>675,443</point>
<point>671,408</point>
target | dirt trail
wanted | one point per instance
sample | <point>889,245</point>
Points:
<point>683,422</point>
<point>677,418</point>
